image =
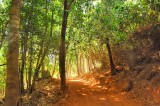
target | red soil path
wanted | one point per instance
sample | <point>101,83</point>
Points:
<point>83,94</point>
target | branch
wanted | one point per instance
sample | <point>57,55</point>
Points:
<point>69,6</point>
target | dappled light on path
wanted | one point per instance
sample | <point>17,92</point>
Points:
<point>102,98</point>
<point>76,80</point>
<point>82,93</point>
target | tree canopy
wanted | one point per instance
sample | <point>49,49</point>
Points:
<point>74,34</point>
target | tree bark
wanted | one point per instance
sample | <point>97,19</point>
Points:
<point>30,66</point>
<point>24,50</point>
<point>89,67</point>
<point>80,64</point>
<point>110,58</point>
<point>78,73</point>
<point>83,61</point>
<point>12,80</point>
<point>62,51</point>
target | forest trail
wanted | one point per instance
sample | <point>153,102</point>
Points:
<point>82,93</point>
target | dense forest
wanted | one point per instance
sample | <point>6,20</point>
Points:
<point>50,48</point>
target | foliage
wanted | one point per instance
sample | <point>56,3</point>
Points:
<point>90,23</point>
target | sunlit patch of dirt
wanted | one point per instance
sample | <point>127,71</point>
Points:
<point>47,93</point>
<point>81,94</point>
<point>142,83</point>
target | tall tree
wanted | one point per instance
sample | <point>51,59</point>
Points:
<point>62,53</point>
<point>112,66</point>
<point>12,81</point>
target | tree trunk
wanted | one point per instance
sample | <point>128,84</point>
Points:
<point>88,63</point>
<point>54,69</point>
<point>12,79</point>
<point>62,51</point>
<point>30,66</point>
<point>24,50</point>
<point>78,73</point>
<point>28,27</point>
<point>83,62</point>
<point>80,63</point>
<point>35,76</point>
<point>110,58</point>
<point>51,30</point>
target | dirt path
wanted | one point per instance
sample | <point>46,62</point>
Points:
<point>82,94</point>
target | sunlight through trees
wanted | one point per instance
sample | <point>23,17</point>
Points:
<point>66,39</point>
